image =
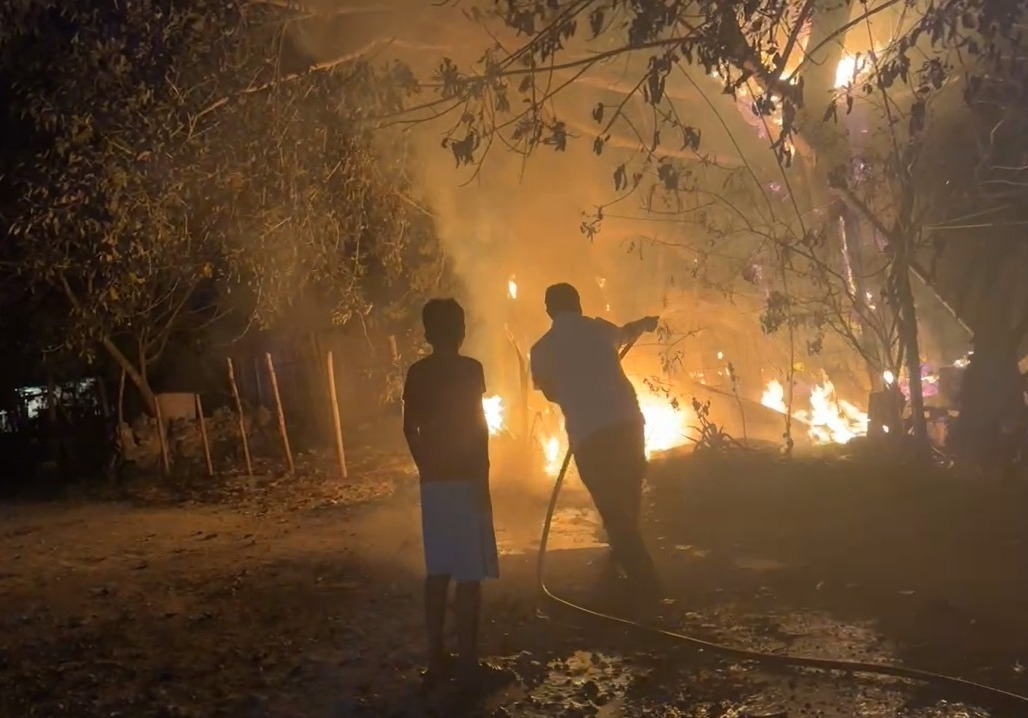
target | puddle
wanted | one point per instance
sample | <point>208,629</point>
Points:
<point>571,529</point>
<point>945,709</point>
<point>592,684</point>
<point>799,633</point>
<point>588,683</point>
<point>818,634</point>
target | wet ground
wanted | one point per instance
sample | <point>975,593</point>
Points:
<point>302,598</point>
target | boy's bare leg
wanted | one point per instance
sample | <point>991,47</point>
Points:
<point>469,608</point>
<point>436,590</point>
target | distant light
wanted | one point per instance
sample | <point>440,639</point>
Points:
<point>720,355</point>
<point>889,377</point>
<point>512,288</point>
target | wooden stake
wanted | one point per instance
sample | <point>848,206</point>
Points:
<point>165,455</point>
<point>203,435</point>
<point>335,415</point>
<point>281,414</point>
<point>242,419</point>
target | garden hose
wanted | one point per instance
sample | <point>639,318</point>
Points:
<point>966,686</point>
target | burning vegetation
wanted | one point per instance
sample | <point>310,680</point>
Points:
<point>828,419</point>
<point>667,426</point>
<point>782,182</point>
<point>667,423</point>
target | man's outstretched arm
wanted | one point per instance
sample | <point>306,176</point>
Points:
<point>633,330</point>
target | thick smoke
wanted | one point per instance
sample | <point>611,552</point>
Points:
<point>520,219</point>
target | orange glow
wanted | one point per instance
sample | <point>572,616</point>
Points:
<point>494,410</point>
<point>829,420</point>
<point>666,428</point>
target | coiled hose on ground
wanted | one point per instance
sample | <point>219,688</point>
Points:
<point>964,686</point>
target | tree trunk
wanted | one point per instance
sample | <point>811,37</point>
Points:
<point>909,338</point>
<point>991,400</point>
<point>876,356</point>
<point>133,373</point>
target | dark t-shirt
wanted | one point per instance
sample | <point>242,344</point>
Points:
<point>442,402</point>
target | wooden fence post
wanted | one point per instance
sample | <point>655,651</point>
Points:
<point>203,435</point>
<point>281,414</point>
<point>340,452</point>
<point>242,419</point>
<point>162,437</point>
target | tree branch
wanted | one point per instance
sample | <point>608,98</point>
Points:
<point>312,70</point>
<point>112,349</point>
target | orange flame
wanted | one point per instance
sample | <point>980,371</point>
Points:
<point>829,420</point>
<point>494,410</point>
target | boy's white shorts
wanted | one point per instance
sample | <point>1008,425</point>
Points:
<point>458,533</point>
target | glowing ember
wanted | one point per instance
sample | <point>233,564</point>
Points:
<point>493,407</point>
<point>512,288</point>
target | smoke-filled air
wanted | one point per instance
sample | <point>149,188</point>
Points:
<point>513,358</point>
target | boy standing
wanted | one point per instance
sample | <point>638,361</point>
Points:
<point>446,430</point>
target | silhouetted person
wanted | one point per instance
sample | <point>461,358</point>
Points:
<point>576,366</point>
<point>445,427</point>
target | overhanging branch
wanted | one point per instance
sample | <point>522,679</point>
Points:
<point>264,87</point>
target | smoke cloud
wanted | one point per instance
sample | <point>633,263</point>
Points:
<point>512,218</point>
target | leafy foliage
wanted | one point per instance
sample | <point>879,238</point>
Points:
<point>181,168</point>
<point>818,196</point>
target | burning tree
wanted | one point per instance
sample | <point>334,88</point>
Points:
<point>182,164</point>
<point>819,174</point>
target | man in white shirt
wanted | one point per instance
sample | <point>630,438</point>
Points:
<point>576,366</point>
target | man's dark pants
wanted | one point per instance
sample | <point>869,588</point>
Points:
<point>612,465</point>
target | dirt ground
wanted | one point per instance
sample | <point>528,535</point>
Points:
<point>302,597</point>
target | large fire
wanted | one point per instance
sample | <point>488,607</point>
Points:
<point>829,420</point>
<point>666,426</point>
